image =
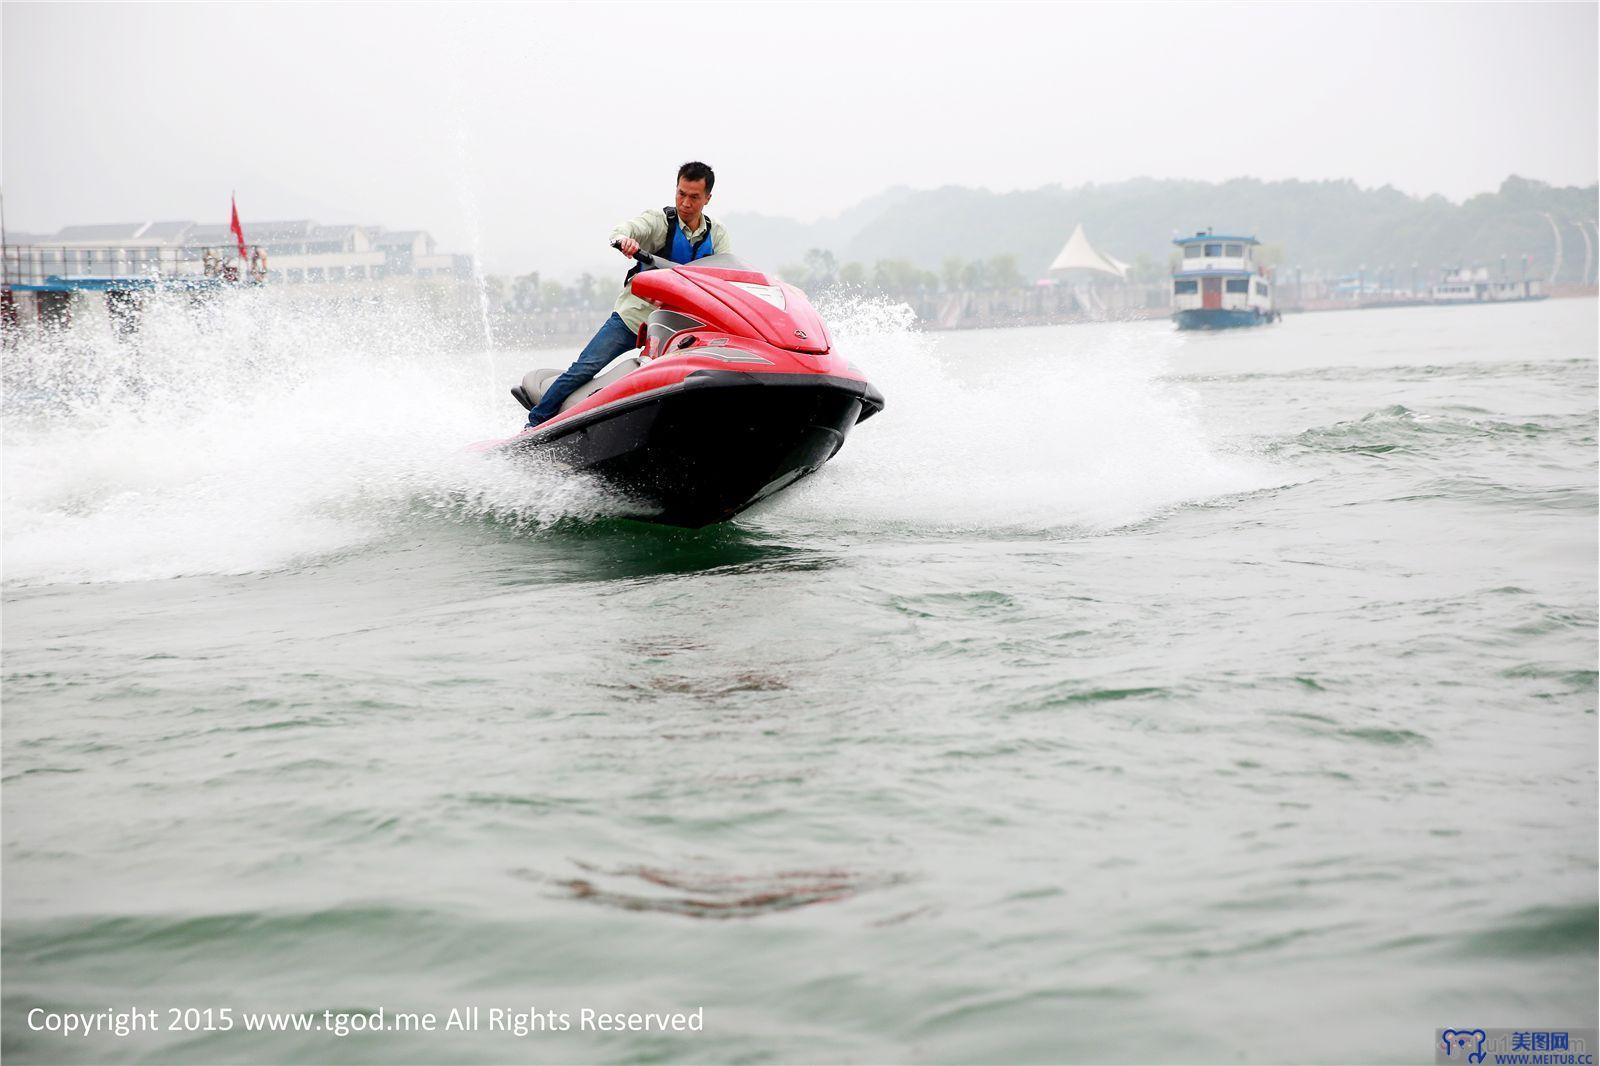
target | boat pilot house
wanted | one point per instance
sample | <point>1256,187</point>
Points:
<point>1217,284</point>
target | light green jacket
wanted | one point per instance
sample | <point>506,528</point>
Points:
<point>650,230</point>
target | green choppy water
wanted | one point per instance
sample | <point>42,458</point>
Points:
<point>1116,696</point>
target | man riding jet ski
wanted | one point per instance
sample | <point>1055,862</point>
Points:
<point>735,394</point>
<point>680,233</point>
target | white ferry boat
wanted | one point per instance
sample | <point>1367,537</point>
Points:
<point>1217,285</point>
<point>1476,287</point>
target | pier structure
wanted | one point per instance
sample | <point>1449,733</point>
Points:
<point>43,277</point>
<point>42,280</point>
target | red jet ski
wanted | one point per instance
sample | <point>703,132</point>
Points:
<point>736,394</point>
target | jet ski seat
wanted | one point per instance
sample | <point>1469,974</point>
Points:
<point>534,382</point>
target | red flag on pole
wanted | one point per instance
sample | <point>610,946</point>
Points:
<point>238,230</point>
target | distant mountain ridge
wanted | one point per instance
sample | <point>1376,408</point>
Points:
<point>1325,226</point>
<point>771,240</point>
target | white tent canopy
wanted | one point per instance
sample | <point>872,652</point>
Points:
<point>1079,254</point>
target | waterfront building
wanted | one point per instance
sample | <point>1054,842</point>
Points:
<point>299,251</point>
<point>45,275</point>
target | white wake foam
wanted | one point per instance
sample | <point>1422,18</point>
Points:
<point>262,430</point>
<point>251,434</point>
<point>1019,429</point>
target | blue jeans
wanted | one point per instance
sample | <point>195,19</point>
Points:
<point>612,340</point>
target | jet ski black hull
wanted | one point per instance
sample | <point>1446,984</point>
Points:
<point>703,450</point>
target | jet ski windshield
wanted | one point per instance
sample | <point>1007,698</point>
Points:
<point>722,261</point>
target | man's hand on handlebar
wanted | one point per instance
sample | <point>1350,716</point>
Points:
<point>628,246</point>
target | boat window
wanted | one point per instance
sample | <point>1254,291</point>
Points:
<point>1234,251</point>
<point>1213,250</point>
<point>1239,285</point>
<point>1181,287</point>
<point>1191,251</point>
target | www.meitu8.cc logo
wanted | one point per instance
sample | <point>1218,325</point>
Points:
<point>1515,1047</point>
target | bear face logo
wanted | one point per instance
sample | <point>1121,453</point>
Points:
<point>1461,1040</point>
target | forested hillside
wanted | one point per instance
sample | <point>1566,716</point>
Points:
<point>1327,226</point>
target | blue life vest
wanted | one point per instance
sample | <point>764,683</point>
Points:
<point>678,248</point>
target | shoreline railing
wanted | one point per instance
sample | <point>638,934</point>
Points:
<point>70,266</point>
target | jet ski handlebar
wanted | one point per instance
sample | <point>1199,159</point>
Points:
<point>645,260</point>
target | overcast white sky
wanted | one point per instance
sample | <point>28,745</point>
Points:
<point>523,132</point>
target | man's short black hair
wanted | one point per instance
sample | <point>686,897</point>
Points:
<point>698,172</point>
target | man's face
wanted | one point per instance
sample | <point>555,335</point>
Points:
<point>692,199</point>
